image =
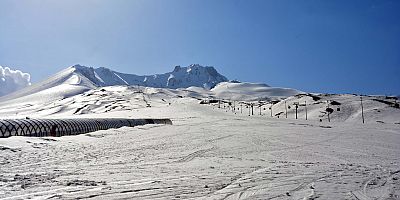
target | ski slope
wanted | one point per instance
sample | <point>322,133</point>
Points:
<point>208,153</point>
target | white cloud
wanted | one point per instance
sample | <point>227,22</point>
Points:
<point>12,80</point>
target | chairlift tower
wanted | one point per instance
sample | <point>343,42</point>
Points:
<point>362,110</point>
<point>305,104</point>
<point>296,105</point>
<point>270,108</point>
<point>286,109</point>
<point>327,106</point>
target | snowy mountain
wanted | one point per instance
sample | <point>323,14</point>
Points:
<point>195,81</point>
<point>65,83</point>
<point>180,77</point>
<point>77,79</point>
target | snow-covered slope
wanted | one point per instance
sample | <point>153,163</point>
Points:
<point>114,99</point>
<point>242,92</point>
<point>251,91</point>
<point>208,153</point>
<point>342,107</point>
<point>66,83</point>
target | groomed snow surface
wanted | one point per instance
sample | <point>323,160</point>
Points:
<point>208,152</point>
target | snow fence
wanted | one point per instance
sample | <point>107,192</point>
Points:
<point>61,127</point>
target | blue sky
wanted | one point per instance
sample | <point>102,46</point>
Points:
<point>336,46</point>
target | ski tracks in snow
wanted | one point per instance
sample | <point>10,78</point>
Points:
<point>205,154</point>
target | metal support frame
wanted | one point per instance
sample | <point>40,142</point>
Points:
<point>44,127</point>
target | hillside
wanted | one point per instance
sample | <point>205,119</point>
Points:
<point>208,152</point>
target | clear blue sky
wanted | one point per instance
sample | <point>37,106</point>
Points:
<point>341,46</point>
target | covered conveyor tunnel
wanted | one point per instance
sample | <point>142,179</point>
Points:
<point>61,127</point>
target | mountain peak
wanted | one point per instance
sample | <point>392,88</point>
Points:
<point>79,67</point>
<point>181,77</point>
